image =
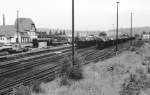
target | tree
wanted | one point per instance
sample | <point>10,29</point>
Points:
<point>78,35</point>
<point>144,32</point>
<point>64,33</point>
<point>50,32</point>
<point>102,34</point>
<point>61,33</point>
<point>56,33</point>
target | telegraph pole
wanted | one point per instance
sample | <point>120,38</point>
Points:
<point>17,40</point>
<point>3,19</point>
<point>131,29</point>
<point>73,63</point>
<point>113,30</point>
<point>117,30</point>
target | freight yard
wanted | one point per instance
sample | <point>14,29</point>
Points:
<point>23,69</point>
<point>31,70</point>
<point>74,47</point>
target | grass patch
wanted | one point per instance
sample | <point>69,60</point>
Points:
<point>135,83</point>
<point>138,43</point>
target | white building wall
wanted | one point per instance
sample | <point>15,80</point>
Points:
<point>15,36</point>
<point>42,44</point>
<point>12,40</point>
<point>146,36</point>
<point>32,35</point>
<point>4,40</point>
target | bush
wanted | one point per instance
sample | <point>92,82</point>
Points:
<point>130,86</point>
<point>36,87</point>
<point>70,71</point>
<point>132,49</point>
<point>21,90</point>
<point>64,81</point>
<point>35,43</point>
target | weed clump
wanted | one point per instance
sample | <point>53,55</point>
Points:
<point>26,90</point>
<point>36,87</point>
<point>21,90</point>
<point>135,83</point>
<point>130,86</point>
<point>71,71</point>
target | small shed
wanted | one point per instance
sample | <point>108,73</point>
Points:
<point>42,44</point>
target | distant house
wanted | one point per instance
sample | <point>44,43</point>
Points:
<point>27,32</point>
<point>145,36</point>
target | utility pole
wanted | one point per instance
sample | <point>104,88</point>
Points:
<point>131,30</point>
<point>113,30</point>
<point>73,63</point>
<point>3,19</point>
<point>117,30</point>
<point>17,40</point>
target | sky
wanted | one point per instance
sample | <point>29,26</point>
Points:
<point>89,14</point>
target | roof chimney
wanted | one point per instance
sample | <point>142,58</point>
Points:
<point>3,19</point>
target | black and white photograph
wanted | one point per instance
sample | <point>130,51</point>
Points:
<point>74,47</point>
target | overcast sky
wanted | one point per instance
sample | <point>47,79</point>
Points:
<point>89,14</point>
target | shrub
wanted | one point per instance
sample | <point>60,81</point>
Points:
<point>147,62</point>
<point>76,73</point>
<point>36,87</point>
<point>130,86</point>
<point>35,43</point>
<point>64,81</point>
<point>132,49</point>
<point>21,90</point>
<point>71,71</point>
<point>66,67</point>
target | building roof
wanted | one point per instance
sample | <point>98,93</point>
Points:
<point>8,30</point>
<point>25,24</point>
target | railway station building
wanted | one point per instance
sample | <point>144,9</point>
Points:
<point>26,32</point>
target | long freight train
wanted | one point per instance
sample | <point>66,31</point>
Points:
<point>100,42</point>
<point>110,42</point>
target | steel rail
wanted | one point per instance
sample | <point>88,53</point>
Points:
<point>101,56</point>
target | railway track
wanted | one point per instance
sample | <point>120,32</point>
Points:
<point>26,66</point>
<point>48,72</point>
<point>29,54</point>
<point>10,63</point>
<point>27,76</point>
